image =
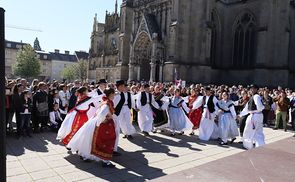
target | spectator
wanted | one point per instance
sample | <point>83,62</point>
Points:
<point>26,109</point>
<point>283,104</point>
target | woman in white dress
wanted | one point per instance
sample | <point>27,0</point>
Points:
<point>96,139</point>
<point>227,125</point>
<point>178,121</point>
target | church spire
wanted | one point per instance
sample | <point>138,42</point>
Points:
<point>95,23</point>
<point>116,7</point>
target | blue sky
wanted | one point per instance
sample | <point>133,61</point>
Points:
<point>65,24</point>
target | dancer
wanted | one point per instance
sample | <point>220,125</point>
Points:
<point>96,139</point>
<point>160,116</point>
<point>195,106</point>
<point>77,117</point>
<point>227,125</point>
<point>145,100</point>
<point>208,128</point>
<point>178,121</point>
<point>123,104</point>
<point>253,132</point>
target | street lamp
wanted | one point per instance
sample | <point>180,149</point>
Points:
<point>2,100</point>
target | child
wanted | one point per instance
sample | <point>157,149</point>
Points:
<point>55,118</point>
<point>25,113</point>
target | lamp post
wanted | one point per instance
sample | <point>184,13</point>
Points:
<point>2,100</point>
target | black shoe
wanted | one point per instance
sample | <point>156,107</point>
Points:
<point>232,140</point>
<point>145,133</point>
<point>286,130</point>
<point>107,165</point>
<point>275,128</point>
<point>181,133</point>
<point>125,136</point>
<point>172,134</point>
<point>192,133</point>
<point>130,137</point>
<point>154,131</point>
<point>223,143</point>
<point>116,154</point>
<point>69,149</point>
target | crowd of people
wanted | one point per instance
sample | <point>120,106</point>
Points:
<point>88,117</point>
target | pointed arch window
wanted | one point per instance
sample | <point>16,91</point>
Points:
<point>244,41</point>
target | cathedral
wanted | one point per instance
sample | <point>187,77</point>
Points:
<point>199,41</point>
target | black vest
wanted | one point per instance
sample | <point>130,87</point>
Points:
<point>121,103</point>
<point>251,104</point>
<point>143,99</point>
<point>210,104</point>
<point>99,92</point>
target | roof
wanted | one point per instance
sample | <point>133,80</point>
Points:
<point>81,55</point>
<point>14,45</point>
<point>63,57</point>
<point>44,55</point>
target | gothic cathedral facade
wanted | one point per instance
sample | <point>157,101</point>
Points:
<point>200,41</point>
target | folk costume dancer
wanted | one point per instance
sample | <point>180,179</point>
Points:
<point>145,100</point>
<point>160,116</point>
<point>228,128</point>
<point>208,128</point>
<point>77,117</point>
<point>123,103</point>
<point>96,139</point>
<point>178,121</point>
<point>253,132</point>
<point>196,109</point>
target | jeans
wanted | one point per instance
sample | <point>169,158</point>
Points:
<point>25,122</point>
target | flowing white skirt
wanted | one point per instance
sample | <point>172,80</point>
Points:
<point>145,119</point>
<point>253,132</point>
<point>82,140</point>
<point>66,125</point>
<point>227,127</point>
<point>178,120</point>
<point>208,129</point>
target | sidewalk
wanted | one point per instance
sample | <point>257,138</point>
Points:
<point>42,158</point>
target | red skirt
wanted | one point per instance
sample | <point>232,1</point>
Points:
<point>195,117</point>
<point>80,119</point>
<point>104,139</point>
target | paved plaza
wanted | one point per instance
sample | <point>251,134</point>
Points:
<point>42,158</point>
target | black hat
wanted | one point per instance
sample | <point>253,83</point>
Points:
<point>146,85</point>
<point>207,88</point>
<point>254,86</point>
<point>120,82</point>
<point>102,81</point>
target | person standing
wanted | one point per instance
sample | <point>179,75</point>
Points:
<point>241,105</point>
<point>160,116</point>
<point>17,106</point>
<point>145,100</point>
<point>64,96</point>
<point>253,133</point>
<point>26,109</point>
<point>208,128</point>
<point>73,97</point>
<point>267,102</point>
<point>283,105</point>
<point>41,107</point>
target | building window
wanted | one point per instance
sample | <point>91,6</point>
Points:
<point>38,56</point>
<point>8,44</point>
<point>45,56</point>
<point>244,41</point>
<point>18,46</point>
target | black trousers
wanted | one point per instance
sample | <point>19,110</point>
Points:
<point>265,116</point>
<point>243,124</point>
<point>9,116</point>
<point>18,123</point>
<point>293,119</point>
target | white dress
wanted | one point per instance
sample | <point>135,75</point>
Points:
<point>145,114</point>
<point>82,140</point>
<point>253,132</point>
<point>66,126</point>
<point>208,128</point>
<point>178,121</point>
<point>227,124</point>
